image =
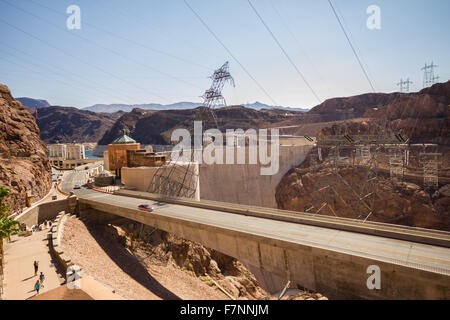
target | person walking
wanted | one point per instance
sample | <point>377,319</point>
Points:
<point>36,267</point>
<point>37,287</point>
<point>41,279</point>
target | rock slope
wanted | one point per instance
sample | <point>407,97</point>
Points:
<point>24,165</point>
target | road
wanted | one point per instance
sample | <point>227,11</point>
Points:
<point>77,176</point>
<point>407,253</point>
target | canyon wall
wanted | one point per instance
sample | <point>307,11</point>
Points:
<point>24,164</point>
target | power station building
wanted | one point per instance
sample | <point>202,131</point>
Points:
<point>117,153</point>
<point>68,156</point>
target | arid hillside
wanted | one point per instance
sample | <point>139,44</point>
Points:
<point>352,107</point>
<point>155,127</point>
<point>68,124</point>
<point>423,116</point>
<point>24,165</point>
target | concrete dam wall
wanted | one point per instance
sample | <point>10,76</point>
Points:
<point>244,184</point>
<point>234,183</point>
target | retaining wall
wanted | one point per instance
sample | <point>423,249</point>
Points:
<point>46,211</point>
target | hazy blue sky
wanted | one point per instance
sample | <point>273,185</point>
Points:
<point>110,59</point>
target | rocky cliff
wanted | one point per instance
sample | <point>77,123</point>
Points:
<point>33,103</point>
<point>393,201</point>
<point>24,165</point>
<point>352,107</point>
<point>424,118</point>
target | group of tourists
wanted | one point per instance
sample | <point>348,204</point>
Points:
<point>40,282</point>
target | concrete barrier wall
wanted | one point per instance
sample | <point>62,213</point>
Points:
<point>338,275</point>
<point>46,211</point>
<point>54,237</point>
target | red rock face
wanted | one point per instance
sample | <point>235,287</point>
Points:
<point>352,107</point>
<point>403,203</point>
<point>24,164</point>
<point>422,116</point>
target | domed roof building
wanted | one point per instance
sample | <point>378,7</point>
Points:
<point>117,152</point>
<point>124,139</point>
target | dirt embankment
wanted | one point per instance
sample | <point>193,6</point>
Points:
<point>143,263</point>
<point>196,260</point>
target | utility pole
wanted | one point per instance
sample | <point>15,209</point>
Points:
<point>404,85</point>
<point>428,75</point>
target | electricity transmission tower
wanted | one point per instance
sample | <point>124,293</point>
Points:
<point>180,178</point>
<point>213,96</point>
<point>428,75</point>
<point>404,85</point>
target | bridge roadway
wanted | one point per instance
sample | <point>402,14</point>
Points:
<point>331,261</point>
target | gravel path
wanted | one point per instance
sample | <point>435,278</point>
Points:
<point>110,263</point>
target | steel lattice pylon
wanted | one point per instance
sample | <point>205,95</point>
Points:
<point>430,169</point>
<point>179,177</point>
<point>213,96</point>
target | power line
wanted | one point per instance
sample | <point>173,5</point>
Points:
<point>63,72</point>
<point>284,51</point>
<point>162,33</point>
<point>42,75</point>
<point>103,47</point>
<point>81,60</point>
<point>286,26</point>
<point>351,46</point>
<point>129,40</point>
<point>66,71</point>
<point>229,52</point>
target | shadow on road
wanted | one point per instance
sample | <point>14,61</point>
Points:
<point>28,278</point>
<point>128,262</point>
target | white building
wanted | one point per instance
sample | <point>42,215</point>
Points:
<point>57,151</point>
<point>68,156</point>
<point>76,152</point>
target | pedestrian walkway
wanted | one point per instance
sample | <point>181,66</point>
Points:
<point>47,198</point>
<point>19,278</point>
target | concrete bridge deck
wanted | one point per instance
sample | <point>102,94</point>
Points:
<point>333,262</point>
